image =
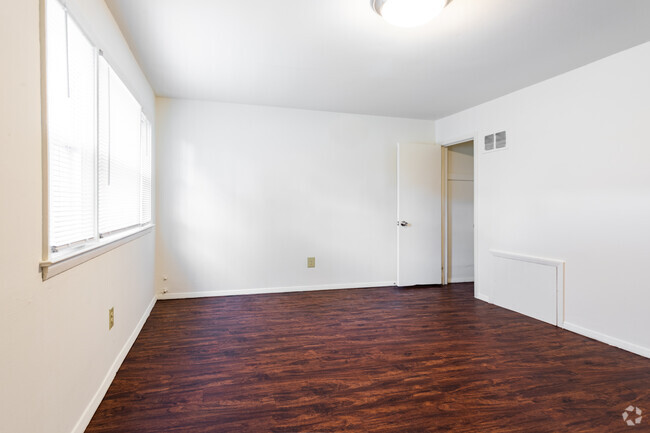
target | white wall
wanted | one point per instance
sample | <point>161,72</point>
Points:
<point>56,348</point>
<point>460,212</point>
<point>247,193</point>
<point>574,185</point>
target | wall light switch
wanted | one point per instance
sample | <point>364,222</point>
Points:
<point>311,262</point>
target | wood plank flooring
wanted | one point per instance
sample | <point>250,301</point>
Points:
<point>367,360</point>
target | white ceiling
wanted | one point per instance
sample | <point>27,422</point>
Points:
<point>338,55</point>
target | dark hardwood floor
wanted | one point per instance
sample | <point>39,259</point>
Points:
<point>367,360</point>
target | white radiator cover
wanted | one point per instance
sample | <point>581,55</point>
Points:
<point>529,285</point>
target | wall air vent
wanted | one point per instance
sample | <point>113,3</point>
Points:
<point>489,142</point>
<point>495,141</point>
<point>501,140</point>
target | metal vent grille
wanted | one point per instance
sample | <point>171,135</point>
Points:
<point>501,140</point>
<point>489,142</point>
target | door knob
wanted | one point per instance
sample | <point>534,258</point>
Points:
<point>403,223</point>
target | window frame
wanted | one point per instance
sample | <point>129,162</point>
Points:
<point>56,262</point>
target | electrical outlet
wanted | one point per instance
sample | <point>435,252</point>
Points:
<point>311,262</point>
<point>111,318</point>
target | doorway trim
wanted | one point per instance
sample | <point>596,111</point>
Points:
<point>474,137</point>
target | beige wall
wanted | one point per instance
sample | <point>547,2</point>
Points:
<point>55,346</point>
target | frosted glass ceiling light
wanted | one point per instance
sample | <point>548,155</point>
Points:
<point>409,13</point>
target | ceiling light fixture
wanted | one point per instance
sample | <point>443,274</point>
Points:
<point>408,13</point>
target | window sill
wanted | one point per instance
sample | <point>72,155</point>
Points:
<point>63,262</point>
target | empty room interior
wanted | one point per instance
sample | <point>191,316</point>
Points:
<point>325,216</point>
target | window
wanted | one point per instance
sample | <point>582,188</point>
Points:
<point>99,143</point>
<point>124,164</point>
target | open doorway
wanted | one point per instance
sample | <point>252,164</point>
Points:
<point>458,213</point>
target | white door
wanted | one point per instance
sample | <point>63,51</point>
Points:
<point>419,214</point>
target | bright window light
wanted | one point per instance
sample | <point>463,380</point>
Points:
<point>99,143</point>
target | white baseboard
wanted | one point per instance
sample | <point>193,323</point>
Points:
<point>88,413</point>
<point>482,297</point>
<point>612,341</point>
<point>466,279</point>
<point>259,291</point>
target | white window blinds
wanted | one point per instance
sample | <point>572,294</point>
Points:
<point>99,141</point>
<point>71,130</point>
<point>120,154</point>
<point>145,171</point>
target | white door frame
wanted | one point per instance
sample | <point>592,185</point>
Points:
<point>445,213</point>
<point>445,149</point>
